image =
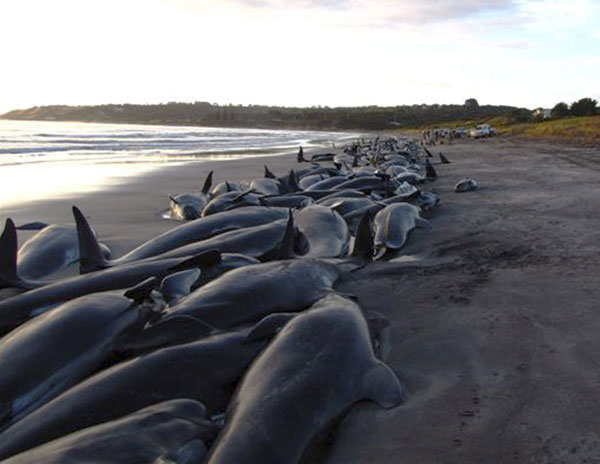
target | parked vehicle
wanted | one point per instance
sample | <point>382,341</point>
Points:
<point>482,130</point>
<point>460,132</point>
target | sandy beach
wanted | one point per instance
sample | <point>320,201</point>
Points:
<point>493,317</point>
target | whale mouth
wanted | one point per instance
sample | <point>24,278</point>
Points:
<point>166,214</point>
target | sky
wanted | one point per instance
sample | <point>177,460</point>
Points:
<point>526,53</point>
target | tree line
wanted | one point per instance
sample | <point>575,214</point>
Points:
<point>582,107</point>
<point>260,116</point>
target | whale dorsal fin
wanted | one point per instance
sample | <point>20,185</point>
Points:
<point>91,257</point>
<point>207,183</point>
<point>300,156</point>
<point>286,247</point>
<point>269,174</point>
<point>8,256</point>
<point>382,386</point>
<point>292,184</point>
<point>363,242</point>
<point>429,171</point>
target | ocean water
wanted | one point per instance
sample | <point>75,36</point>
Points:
<point>41,159</point>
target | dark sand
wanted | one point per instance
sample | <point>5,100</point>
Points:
<point>494,331</point>
<point>499,349</point>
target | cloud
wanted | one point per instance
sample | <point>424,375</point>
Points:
<point>369,12</point>
<point>432,11</point>
<point>513,44</point>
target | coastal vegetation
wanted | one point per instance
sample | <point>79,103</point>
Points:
<point>575,123</point>
<point>259,116</point>
<point>578,122</point>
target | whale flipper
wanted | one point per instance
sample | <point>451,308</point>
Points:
<point>178,284</point>
<point>443,159</point>
<point>241,196</point>
<point>268,326</point>
<point>37,225</point>
<point>142,290</point>
<point>382,386</point>
<point>174,330</point>
<point>204,259</point>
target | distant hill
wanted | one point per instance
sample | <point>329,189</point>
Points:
<point>256,116</point>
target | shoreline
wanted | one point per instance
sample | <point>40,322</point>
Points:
<point>165,124</point>
<point>31,172</point>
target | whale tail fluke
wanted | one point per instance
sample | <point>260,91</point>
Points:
<point>91,256</point>
<point>382,386</point>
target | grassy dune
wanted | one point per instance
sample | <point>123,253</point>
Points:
<point>584,130</point>
<point>578,130</point>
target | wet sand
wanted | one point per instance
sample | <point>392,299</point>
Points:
<point>494,326</point>
<point>128,212</point>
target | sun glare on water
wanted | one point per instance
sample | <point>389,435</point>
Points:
<point>30,182</point>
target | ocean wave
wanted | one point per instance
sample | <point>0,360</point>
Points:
<point>22,142</point>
